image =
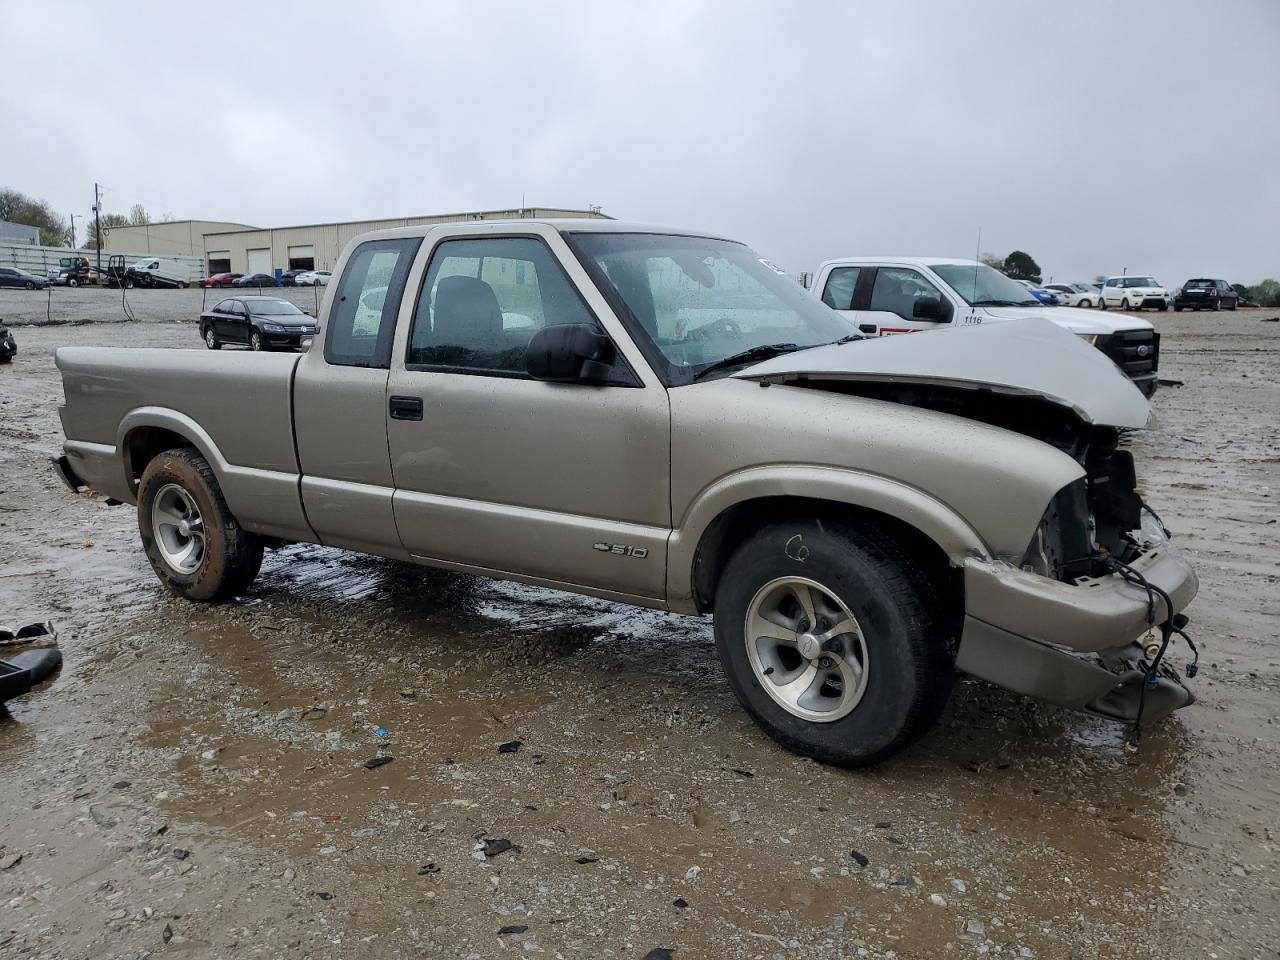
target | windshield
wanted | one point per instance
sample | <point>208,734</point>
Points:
<point>981,286</point>
<point>700,301</point>
<point>271,308</point>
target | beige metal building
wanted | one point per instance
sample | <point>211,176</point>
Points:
<point>237,248</point>
<point>166,239</point>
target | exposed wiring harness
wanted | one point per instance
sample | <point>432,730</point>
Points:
<point>1172,624</point>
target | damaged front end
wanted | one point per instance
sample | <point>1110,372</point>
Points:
<point>1086,616</point>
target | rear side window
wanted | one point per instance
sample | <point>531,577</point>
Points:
<point>838,293</point>
<point>363,318</point>
<point>483,299</point>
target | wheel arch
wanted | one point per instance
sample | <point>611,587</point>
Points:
<point>148,431</point>
<point>730,510</point>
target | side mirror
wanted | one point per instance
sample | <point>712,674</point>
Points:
<point>569,353</point>
<point>927,308</point>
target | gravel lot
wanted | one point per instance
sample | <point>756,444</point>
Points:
<point>194,781</point>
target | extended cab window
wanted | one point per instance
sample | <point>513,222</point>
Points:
<point>362,319</point>
<point>838,293</point>
<point>896,290</point>
<point>482,301</point>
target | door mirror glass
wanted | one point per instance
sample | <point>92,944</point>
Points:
<point>570,353</point>
<point>927,308</point>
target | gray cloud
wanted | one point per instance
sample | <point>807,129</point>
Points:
<point>1097,136</point>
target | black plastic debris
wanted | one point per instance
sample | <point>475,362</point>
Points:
<point>167,934</point>
<point>659,953</point>
<point>427,869</point>
<point>495,846</point>
<point>377,762</point>
<point>585,860</point>
<point>512,928</point>
<point>323,894</point>
<point>32,631</point>
<point>859,858</point>
<point>180,854</point>
<point>23,671</point>
<point>680,903</point>
<point>511,746</point>
<point>744,773</point>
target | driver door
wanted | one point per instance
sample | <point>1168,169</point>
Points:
<point>559,483</point>
<point>891,303</point>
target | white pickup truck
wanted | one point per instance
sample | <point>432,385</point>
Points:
<point>885,295</point>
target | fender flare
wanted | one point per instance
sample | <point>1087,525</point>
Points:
<point>920,510</point>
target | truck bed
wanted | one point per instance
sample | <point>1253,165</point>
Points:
<point>235,407</point>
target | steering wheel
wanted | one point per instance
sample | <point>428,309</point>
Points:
<point>723,326</point>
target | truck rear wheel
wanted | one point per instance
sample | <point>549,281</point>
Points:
<point>195,546</point>
<point>833,640</point>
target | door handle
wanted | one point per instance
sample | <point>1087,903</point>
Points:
<point>405,408</point>
<point>867,327</point>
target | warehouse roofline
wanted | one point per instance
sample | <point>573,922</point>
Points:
<point>508,213</point>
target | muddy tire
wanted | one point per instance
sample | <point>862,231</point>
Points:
<point>193,542</point>
<point>867,675</point>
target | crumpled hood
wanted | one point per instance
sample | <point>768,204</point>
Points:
<point>1032,357</point>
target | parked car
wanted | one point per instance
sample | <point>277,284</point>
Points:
<point>8,346</point>
<point>220,279</point>
<point>255,280</point>
<point>12,277</point>
<point>1133,293</point>
<point>1073,294</point>
<point>289,277</point>
<point>313,278</point>
<point>260,323</point>
<point>679,427</point>
<point>1205,294</point>
<point>890,295</point>
<point>1040,293</point>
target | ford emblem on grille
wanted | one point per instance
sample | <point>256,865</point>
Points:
<point>1143,350</point>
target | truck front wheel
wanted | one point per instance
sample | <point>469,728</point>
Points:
<point>833,640</point>
<point>195,546</point>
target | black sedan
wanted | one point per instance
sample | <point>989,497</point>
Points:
<point>261,323</point>
<point>256,280</point>
<point>10,277</point>
<point>1206,294</point>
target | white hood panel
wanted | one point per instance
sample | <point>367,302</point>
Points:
<point>1030,357</point>
<point>1076,319</point>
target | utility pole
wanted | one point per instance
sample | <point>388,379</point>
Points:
<point>73,231</point>
<point>97,219</point>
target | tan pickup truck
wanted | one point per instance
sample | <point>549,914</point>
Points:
<point>659,418</point>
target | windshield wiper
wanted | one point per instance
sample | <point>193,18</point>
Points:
<point>999,303</point>
<point>763,352</point>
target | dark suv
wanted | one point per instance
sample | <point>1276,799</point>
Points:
<point>1205,294</point>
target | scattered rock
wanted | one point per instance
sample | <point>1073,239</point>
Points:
<point>408,694</point>
<point>585,860</point>
<point>180,854</point>
<point>511,746</point>
<point>377,762</point>
<point>121,785</point>
<point>494,846</point>
<point>958,886</point>
<point>883,825</point>
<point>314,713</point>
<point>323,894</point>
<point>859,858</point>
<point>937,899</point>
<point>11,861</point>
<point>975,928</point>
<point>289,875</point>
<point>167,933</point>
<point>427,869</point>
<point>692,873</point>
<point>743,773</point>
<point>512,928</point>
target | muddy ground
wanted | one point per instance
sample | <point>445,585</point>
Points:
<point>194,782</point>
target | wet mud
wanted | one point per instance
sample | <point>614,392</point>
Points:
<point>197,780</point>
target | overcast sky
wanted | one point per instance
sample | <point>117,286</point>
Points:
<point>1096,136</point>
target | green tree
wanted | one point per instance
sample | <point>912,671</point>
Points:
<point>1266,293</point>
<point>17,207</point>
<point>109,220</point>
<point>1020,266</point>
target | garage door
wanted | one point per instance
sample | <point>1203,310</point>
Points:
<point>219,261</point>
<point>259,260</point>
<point>302,257</point>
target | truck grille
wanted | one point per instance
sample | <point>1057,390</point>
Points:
<point>1136,352</point>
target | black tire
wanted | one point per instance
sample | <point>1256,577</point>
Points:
<point>210,339</point>
<point>29,285</point>
<point>1102,303</point>
<point>1163,307</point>
<point>1124,304</point>
<point>232,556</point>
<point>73,282</point>
<point>128,284</point>
<point>256,342</point>
<point>1176,308</point>
<point>1085,303</point>
<point>6,359</point>
<point>1234,304</point>
<point>910,650</point>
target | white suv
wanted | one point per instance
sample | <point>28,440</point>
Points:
<point>1133,293</point>
<point>887,295</point>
